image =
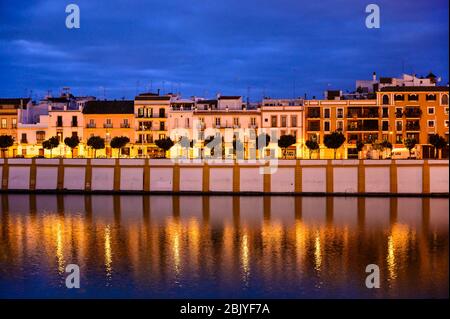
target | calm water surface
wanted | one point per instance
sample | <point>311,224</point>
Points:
<point>230,247</point>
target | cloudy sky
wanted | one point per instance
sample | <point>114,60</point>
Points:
<point>202,47</point>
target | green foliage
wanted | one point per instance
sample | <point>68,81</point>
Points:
<point>438,142</point>
<point>312,146</point>
<point>97,143</point>
<point>165,144</point>
<point>119,142</point>
<point>6,141</point>
<point>334,141</point>
<point>410,143</point>
<point>285,141</point>
<point>51,143</point>
<point>72,142</point>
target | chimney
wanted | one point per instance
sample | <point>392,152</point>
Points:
<point>158,92</point>
<point>374,76</point>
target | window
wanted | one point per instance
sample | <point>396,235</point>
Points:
<point>59,121</point>
<point>74,134</point>
<point>253,121</point>
<point>398,112</point>
<point>385,112</point>
<point>340,113</point>
<point>14,123</point>
<point>23,138</point>
<point>339,125</point>
<point>74,121</point>
<point>431,97</point>
<point>294,120</point>
<point>413,97</point>
<point>399,97</point>
<point>217,121</point>
<point>430,110</point>
<point>59,135</point>
<point>283,121</point>
<point>40,137</point>
<point>4,123</point>
<point>444,99</point>
<point>273,121</point>
<point>385,99</point>
<point>326,126</point>
<point>398,139</point>
<point>326,113</point>
<point>446,111</point>
<point>162,113</point>
<point>235,121</point>
<point>446,123</point>
<point>431,123</point>
<point>188,124</point>
<point>385,125</point>
<point>399,125</point>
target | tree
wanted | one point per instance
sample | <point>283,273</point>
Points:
<point>119,142</point>
<point>6,141</point>
<point>312,146</point>
<point>264,139</point>
<point>165,144</point>
<point>213,141</point>
<point>334,141</point>
<point>50,144</point>
<point>438,142</point>
<point>72,142</point>
<point>97,143</point>
<point>410,143</point>
<point>359,146</point>
<point>285,141</point>
<point>386,145</point>
<point>238,147</point>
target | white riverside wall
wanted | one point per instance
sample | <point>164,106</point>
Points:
<point>302,176</point>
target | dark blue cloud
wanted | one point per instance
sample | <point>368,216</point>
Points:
<point>201,47</point>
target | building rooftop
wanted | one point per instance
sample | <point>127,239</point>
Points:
<point>109,107</point>
<point>415,89</point>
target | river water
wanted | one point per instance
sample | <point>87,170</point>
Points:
<point>222,246</point>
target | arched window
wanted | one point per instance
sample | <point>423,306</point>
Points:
<point>444,99</point>
<point>385,99</point>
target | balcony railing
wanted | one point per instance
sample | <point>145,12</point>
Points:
<point>91,125</point>
<point>24,141</point>
<point>413,126</point>
<point>125,125</point>
<point>107,125</point>
<point>413,112</point>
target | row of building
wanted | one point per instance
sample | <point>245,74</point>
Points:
<point>391,109</point>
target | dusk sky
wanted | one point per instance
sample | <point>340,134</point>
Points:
<point>202,47</point>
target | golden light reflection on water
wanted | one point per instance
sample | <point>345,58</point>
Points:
<point>228,248</point>
<point>108,254</point>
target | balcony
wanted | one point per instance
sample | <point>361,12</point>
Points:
<point>313,113</point>
<point>314,126</point>
<point>74,124</point>
<point>363,113</point>
<point>107,125</point>
<point>59,124</point>
<point>91,125</point>
<point>124,125</point>
<point>253,126</point>
<point>413,112</point>
<point>24,141</point>
<point>368,125</point>
<point>412,126</point>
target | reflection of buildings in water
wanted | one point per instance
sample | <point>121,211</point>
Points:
<point>157,237</point>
